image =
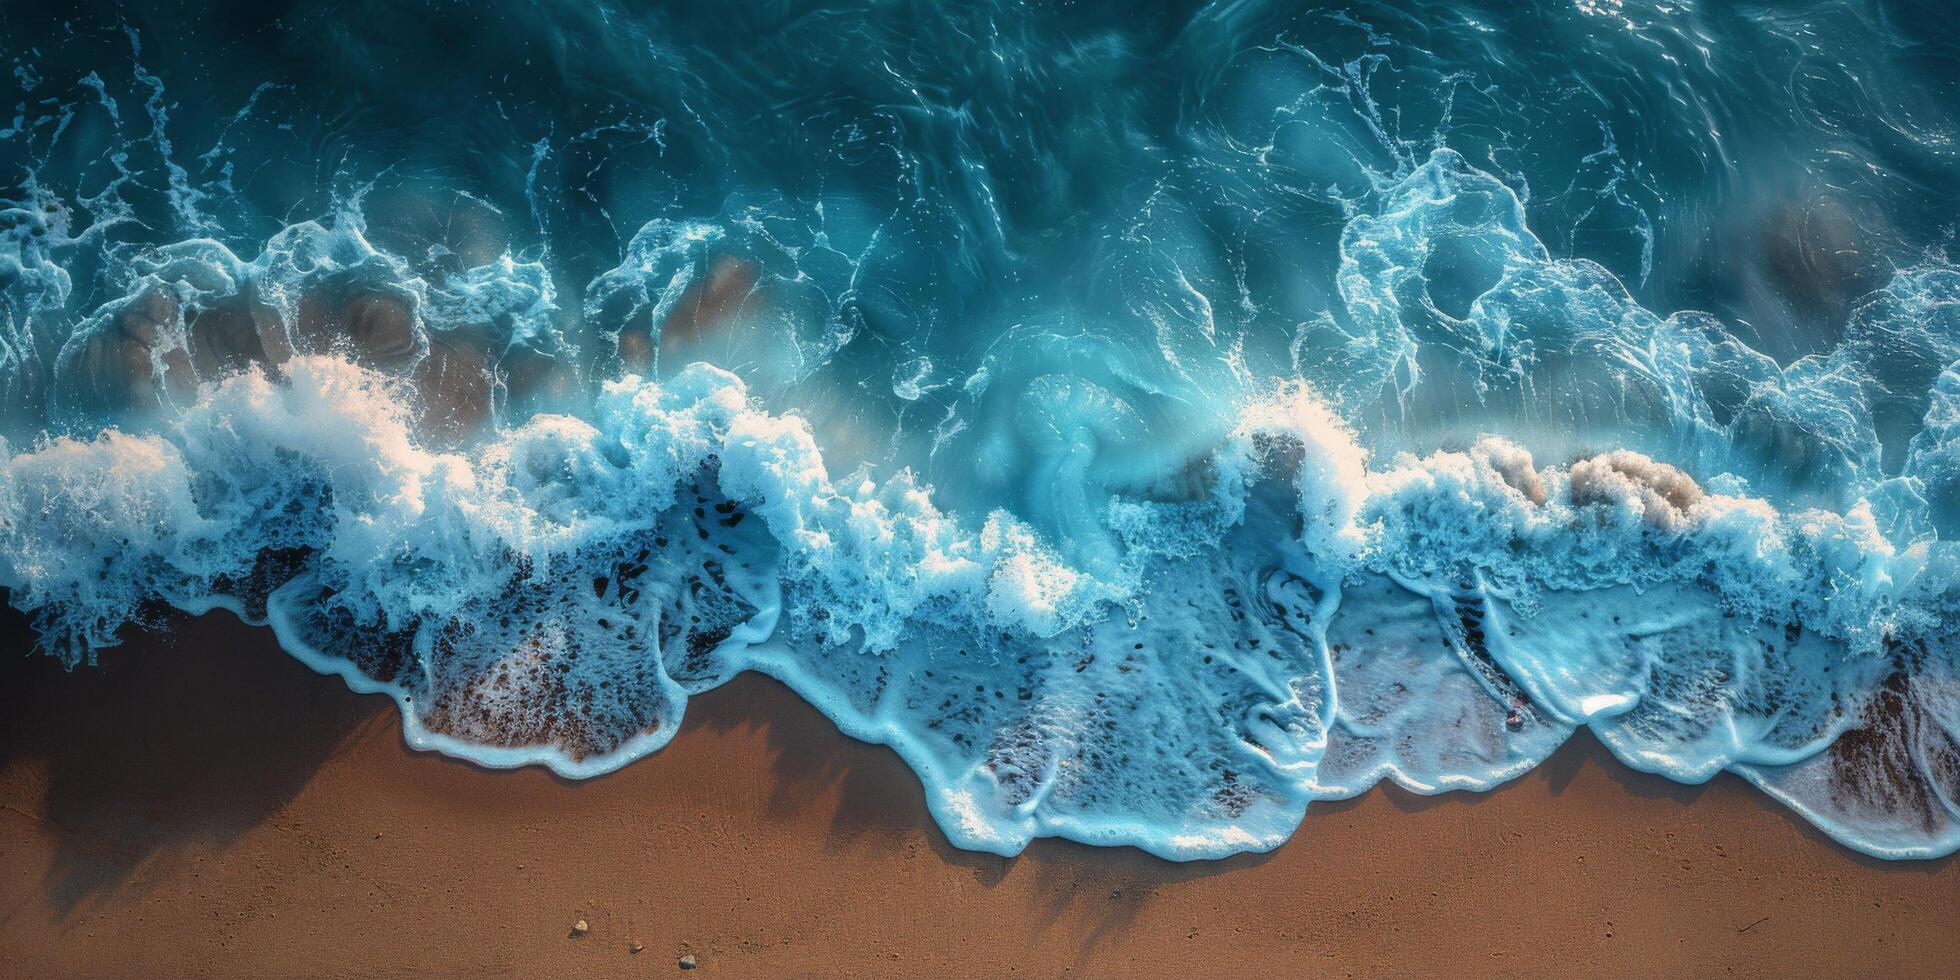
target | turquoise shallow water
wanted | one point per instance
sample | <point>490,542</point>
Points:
<point>1147,420</point>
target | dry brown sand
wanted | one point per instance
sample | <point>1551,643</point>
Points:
<point>208,806</point>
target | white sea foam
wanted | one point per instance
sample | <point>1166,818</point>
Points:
<point>1139,603</point>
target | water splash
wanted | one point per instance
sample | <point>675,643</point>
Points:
<point>1147,429</point>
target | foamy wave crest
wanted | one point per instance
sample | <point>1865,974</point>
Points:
<point>1141,468</point>
<point>1304,628</point>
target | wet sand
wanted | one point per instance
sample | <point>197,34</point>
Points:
<point>207,806</point>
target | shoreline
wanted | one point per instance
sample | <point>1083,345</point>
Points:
<point>205,805</point>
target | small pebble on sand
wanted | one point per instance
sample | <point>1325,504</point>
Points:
<point>688,963</point>
<point>581,927</point>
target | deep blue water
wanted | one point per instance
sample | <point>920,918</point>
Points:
<point>1148,419</point>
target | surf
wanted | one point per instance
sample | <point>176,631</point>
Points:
<point>1147,512</point>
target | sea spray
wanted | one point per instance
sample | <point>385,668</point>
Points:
<point>1147,429</point>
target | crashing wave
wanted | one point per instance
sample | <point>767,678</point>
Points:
<point>1155,558</point>
<point>1304,628</point>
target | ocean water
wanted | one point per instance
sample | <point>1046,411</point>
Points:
<point>1146,419</point>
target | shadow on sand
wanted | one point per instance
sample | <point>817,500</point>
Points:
<point>182,738</point>
<point>193,736</point>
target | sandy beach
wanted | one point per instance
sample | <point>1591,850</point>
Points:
<point>204,805</point>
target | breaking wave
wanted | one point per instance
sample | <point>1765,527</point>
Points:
<point>1142,467</point>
